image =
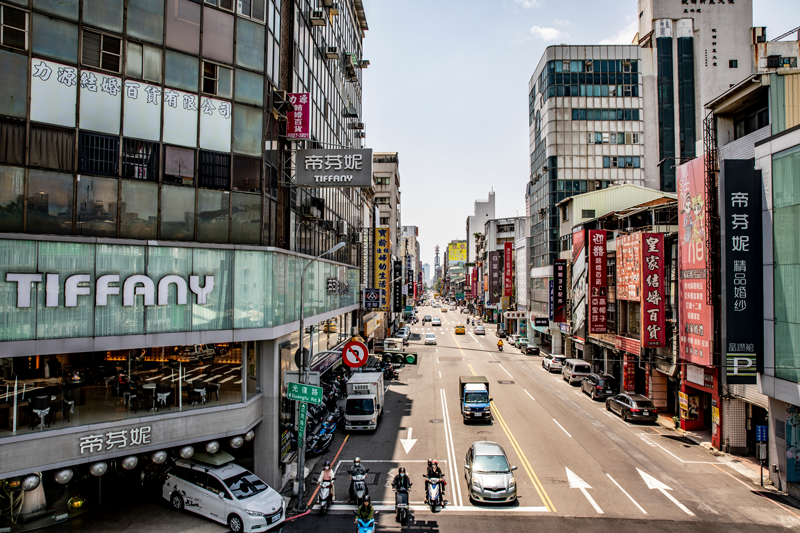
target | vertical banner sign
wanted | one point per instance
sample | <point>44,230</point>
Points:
<point>297,121</point>
<point>695,320</point>
<point>743,278</point>
<point>559,290</point>
<point>653,305</point>
<point>551,299</point>
<point>302,417</point>
<point>397,281</point>
<point>578,280</point>
<point>474,282</point>
<point>382,263</point>
<point>629,267</point>
<point>494,277</point>
<point>508,268</point>
<point>410,283</point>
<point>598,282</point>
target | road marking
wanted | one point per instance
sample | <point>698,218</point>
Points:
<point>408,442</point>
<point>529,395</point>
<point>389,506</point>
<point>577,483</point>
<point>751,489</point>
<point>562,428</point>
<point>440,374</point>
<point>654,484</point>
<point>507,372</point>
<point>626,494</point>
<point>645,437</point>
<point>487,353</point>
<point>451,455</point>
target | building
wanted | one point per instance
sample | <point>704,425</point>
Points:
<point>426,274</point>
<point>483,211</point>
<point>455,271</point>
<point>386,168</point>
<point>585,132</point>
<point>502,240</point>
<point>691,53</point>
<point>133,159</point>
<point>409,253</point>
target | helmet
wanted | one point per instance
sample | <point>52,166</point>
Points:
<point>367,499</point>
<point>327,465</point>
<point>430,462</point>
<point>357,461</point>
<point>435,462</point>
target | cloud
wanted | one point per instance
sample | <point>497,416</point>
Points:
<point>547,34</point>
<point>562,23</point>
<point>528,3</point>
<point>624,35</point>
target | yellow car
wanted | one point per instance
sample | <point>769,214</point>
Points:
<point>329,328</point>
<point>444,309</point>
<point>460,330</point>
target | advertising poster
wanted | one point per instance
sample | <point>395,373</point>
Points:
<point>578,280</point>
<point>382,279</point>
<point>180,117</point>
<point>101,102</point>
<point>741,211</point>
<point>142,118</point>
<point>695,320</point>
<point>494,278</point>
<point>792,443</point>
<point>653,305</point>
<point>457,251</point>
<point>629,269</point>
<point>508,269</point>
<point>521,268</point>
<point>559,290</point>
<point>474,282</point>
<point>54,92</point>
<point>215,124</point>
<point>597,282</point>
<point>397,282</point>
<point>297,121</point>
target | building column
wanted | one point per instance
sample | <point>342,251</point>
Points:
<point>266,446</point>
<point>556,347</point>
<point>658,389</point>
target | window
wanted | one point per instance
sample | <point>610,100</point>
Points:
<point>52,148</point>
<point>138,210</point>
<point>382,181</point>
<point>216,80</point>
<point>733,63</point>
<point>177,222</point>
<point>143,62</point>
<point>223,4</point>
<point>97,206</point>
<point>605,138</point>
<point>587,213</point>
<point>246,174</point>
<point>67,10</point>
<point>598,138</point>
<point>254,9</point>
<point>139,160</point>
<point>382,200</point>
<point>249,87</point>
<point>12,194</point>
<point>247,127</point>
<point>13,27</point>
<point>215,170</point>
<point>178,165</point>
<point>384,221</point>
<point>183,26</point>
<point>613,162</point>
<point>13,85</point>
<point>250,45</point>
<point>12,143</point>
<point>590,138</point>
<point>213,214</point>
<point>245,218</point>
<point>49,202</point>
<point>606,162</point>
<point>146,20</point>
<point>217,35</point>
<point>101,51</point>
<point>98,154</point>
<point>54,38</point>
<point>182,71</point>
<point>565,213</point>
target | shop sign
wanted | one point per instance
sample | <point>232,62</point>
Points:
<point>505,302</point>
<point>653,304</point>
<point>54,92</point>
<point>629,269</point>
<point>742,298</point>
<point>541,322</point>
<point>337,287</point>
<point>578,279</point>
<point>302,418</point>
<point>372,298</point>
<point>508,268</point>
<point>695,317</point>
<point>629,345</point>
<point>101,102</point>
<point>494,277</point>
<point>334,168</point>
<point>559,299</point>
<point>123,438</point>
<point>696,375</point>
<point>513,315</point>
<point>598,281</point>
<point>456,251</point>
<point>522,273</point>
<point>474,282</point>
<point>629,373</point>
<point>564,328</point>
<point>714,413</point>
<point>397,282</point>
<point>382,239</point>
<point>371,325</point>
<point>133,286</point>
<point>297,121</point>
<point>761,433</point>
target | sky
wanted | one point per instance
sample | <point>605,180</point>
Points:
<point>447,88</point>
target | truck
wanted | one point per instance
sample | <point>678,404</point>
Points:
<point>364,405</point>
<point>473,392</point>
<point>193,353</point>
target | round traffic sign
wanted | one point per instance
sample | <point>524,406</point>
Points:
<point>355,354</point>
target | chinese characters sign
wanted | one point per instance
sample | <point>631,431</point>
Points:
<point>653,305</point>
<point>457,251</point>
<point>336,287</point>
<point>180,117</point>
<point>215,124</point>
<point>397,282</point>
<point>474,282</point>
<point>54,92</point>
<point>629,269</point>
<point>559,290</point>
<point>743,272</point>
<point>494,277</point>
<point>508,268</point>
<point>334,168</point>
<point>302,392</point>
<point>382,239</point>
<point>101,102</point>
<point>695,318</point>
<point>521,268</point>
<point>142,118</point>
<point>297,121</point>
<point>598,281</point>
<point>578,280</point>
<point>115,440</point>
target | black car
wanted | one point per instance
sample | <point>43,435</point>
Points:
<point>599,386</point>
<point>633,407</point>
<point>502,333</point>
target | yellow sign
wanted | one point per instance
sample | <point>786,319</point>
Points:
<point>457,251</point>
<point>382,264</point>
<point>370,326</point>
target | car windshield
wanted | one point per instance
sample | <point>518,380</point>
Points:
<point>245,485</point>
<point>490,463</point>
<point>644,404</point>
<point>477,397</point>
<point>430,336</point>
<point>608,383</point>
<point>359,406</point>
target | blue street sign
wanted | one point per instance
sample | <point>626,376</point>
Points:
<point>761,433</point>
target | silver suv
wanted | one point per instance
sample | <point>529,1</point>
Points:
<point>488,474</point>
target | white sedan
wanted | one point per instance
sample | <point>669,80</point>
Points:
<point>436,322</point>
<point>430,338</point>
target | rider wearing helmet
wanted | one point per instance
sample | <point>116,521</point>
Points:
<point>327,475</point>
<point>401,480</point>
<point>436,472</point>
<point>499,343</point>
<point>355,470</point>
<point>366,511</point>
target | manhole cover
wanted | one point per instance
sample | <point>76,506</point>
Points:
<point>372,479</point>
<point>683,440</point>
<point>436,421</point>
<point>505,382</point>
<point>451,359</point>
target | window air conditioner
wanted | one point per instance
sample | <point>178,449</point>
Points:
<point>362,134</point>
<point>341,227</point>
<point>332,52</point>
<point>310,212</point>
<point>358,125</point>
<point>356,238</point>
<point>628,165</point>
<point>317,17</point>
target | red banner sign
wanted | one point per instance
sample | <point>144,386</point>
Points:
<point>474,283</point>
<point>629,267</point>
<point>653,311</point>
<point>297,123</point>
<point>625,344</point>
<point>508,268</point>
<point>597,278</point>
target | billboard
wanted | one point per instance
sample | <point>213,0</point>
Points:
<point>54,92</point>
<point>382,236</point>
<point>457,251</point>
<point>578,280</point>
<point>508,269</point>
<point>653,304</point>
<point>474,284</point>
<point>559,285</point>
<point>397,281</point>
<point>629,267</point>
<point>695,317</point>
<point>297,121</point>
<point>334,168</point>
<point>494,278</point>
<point>522,274</point>
<point>597,279</point>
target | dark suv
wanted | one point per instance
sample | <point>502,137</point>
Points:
<point>633,407</point>
<point>599,386</point>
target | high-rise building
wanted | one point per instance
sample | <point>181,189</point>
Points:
<point>585,110</point>
<point>484,210</point>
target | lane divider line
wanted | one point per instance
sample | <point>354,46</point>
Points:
<point>562,428</point>
<point>529,395</point>
<point>626,494</point>
<point>507,372</point>
<point>451,454</point>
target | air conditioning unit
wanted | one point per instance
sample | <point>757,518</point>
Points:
<point>332,52</point>
<point>628,165</point>
<point>327,225</point>
<point>341,227</point>
<point>356,238</point>
<point>350,112</point>
<point>363,63</point>
<point>317,17</point>
<point>357,125</point>
<point>334,8</point>
<point>759,35</point>
<point>362,135</point>
<point>310,212</point>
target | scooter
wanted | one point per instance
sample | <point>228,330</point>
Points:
<point>325,496</point>
<point>318,444</point>
<point>500,347</point>
<point>435,492</point>
<point>401,504</point>
<point>366,526</point>
<point>358,487</point>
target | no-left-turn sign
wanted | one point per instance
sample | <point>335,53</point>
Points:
<point>355,354</point>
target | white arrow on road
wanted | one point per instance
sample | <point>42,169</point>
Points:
<point>653,483</point>
<point>577,483</point>
<point>408,443</point>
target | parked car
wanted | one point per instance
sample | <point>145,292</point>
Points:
<point>404,333</point>
<point>460,329</point>
<point>522,344</point>
<point>599,386</point>
<point>553,362</point>
<point>501,333</point>
<point>633,407</point>
<point>436,322</point>
<point>479,330</point>
<point>225,493</point>
<point>489,476</point>
<point>430,338</point>
<point>531,349</point>
<point>426,318</point>
<point>575,370</point>
<point>444,309</point>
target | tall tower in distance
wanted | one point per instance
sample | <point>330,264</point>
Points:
<point>436,262</point>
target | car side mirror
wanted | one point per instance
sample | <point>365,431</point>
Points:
<point>221,496</point>
<point>513,468</point>
<point>491,399</point>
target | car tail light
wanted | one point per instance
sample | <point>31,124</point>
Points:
<point>654,411</point>
<point>634,410</point>
<point>599,387</point>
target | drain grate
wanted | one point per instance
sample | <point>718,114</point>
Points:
<point>505,382</point>
<point>437,421</point>
<point>373,478</point>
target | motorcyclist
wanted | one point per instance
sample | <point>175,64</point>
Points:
<point>366,511</point>
<point>355,470</point>
<point>499,344</point>
<point>435,472</point>
<point>401,480</point>
<point>327,475</point>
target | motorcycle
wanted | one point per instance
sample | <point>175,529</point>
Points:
<point>365,526</point>
<point>318,444</point>
<point>325,496</point>
<point>500,347</point>
<point>401,504</point>
<point>358,486</point>
<point>435,492</point>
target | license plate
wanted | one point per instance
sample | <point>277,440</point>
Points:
<point>478,414</point>
<point>646,413</point>
<point>608,392</point>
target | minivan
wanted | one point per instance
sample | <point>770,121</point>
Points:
<point>575,370</point>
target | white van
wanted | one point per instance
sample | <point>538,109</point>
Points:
<point>227,494</point>
<point>575,370</point>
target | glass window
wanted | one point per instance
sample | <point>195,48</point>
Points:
<point>12,142</point>
<point>177,222</point>
<point>12,193</point>
<point>245,218</point>
<point>217,80</point>
<point>13,85</point>
<point>250,45</point>
<point>247,130</point>
<point>216,314</point>
<point>55,38</point>
<point>182,71</point>
<point>143,62</point>
<point>102,51</point>
<point>133,60</point>
<point>97,206</point>
<point>246,174</point>
<point>217,35</point>
<point>138,210</point>
<point>606,162</point>
<point>98,154</point>
<point>49,202</point>
<point>178,165</point>
<point>183,26</point>
<point>254,9</point>
<point>213,214</point>
<point>106,14</point>
<point>215,170</point>
<point>67,9</point>
<point>249,87</point>
<point>13,27</point>
<point>52,148</point>
<point>139,160</point>
<point>146,20</point>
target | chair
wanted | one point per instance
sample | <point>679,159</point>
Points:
<point>163,390</point>
<point>135,397</point>
<point>40,405</point>
<point>67,405</point>
<point>196,393</point>
<point>213,388</point>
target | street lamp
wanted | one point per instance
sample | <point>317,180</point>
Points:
<point>303,378</point>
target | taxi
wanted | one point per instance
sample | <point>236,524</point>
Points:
<point>461,330</point>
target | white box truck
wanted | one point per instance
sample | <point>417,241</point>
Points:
<point>364,405</point>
